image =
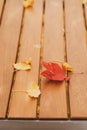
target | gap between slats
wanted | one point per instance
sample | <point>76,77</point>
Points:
<point>84,8</point>
<point>67,83</point>
<point>41,58</point>
<point>2,7</point>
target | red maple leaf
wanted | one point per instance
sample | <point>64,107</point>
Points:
<point>54,71</point>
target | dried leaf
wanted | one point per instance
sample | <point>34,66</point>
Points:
<point>84,2</point>
<point>67,66</point>
<point>34,90</point>
<point>24,65</point>
<point>54,71</point>
<point>28,3</point>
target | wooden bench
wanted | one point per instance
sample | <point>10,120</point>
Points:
<point>51,30</point>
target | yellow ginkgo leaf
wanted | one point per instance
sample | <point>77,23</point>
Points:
<point>67,66</point>
<point>28,3</point>
<point>34,90</point>
<point>22,66</point>
<point>25,65</point>
<point>84,2</point>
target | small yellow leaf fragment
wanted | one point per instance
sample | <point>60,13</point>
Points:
<point>34,90</point>
<point>28,62</point>
<point>84,2</point>
<point>28,3</point>
<point>67,66</point>
<point>25,65</point>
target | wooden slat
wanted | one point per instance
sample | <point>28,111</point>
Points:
<point>1,7</point>
<point>53,98</point>
<point>77,57</point>
<point>86,14</point>
<point>21,104</point>
<point>9,36</point>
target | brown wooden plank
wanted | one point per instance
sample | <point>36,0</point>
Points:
<point>86,14</point>
<point>21,104</point>
<point>1,7</point>
<point>9,36</point>
<point>53,98</point>
<point>76,56</point>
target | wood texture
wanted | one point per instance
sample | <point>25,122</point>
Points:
<point>53,97</point>
<point>76,56</point>
<point>21,104</point>
<point>1,7</point>
<point>86,14</point>
<point>9,36</point>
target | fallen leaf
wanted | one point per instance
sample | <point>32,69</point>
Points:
<point>67,66</point>
<point>28,3</point>
<point>84,2</point>
<point>54,71</point>
<point>24,65</point>
<point>34,90</point>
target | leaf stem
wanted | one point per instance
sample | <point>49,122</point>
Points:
<point>25,91</point>
<point>77,72</point>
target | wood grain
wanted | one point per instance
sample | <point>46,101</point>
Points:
<point>76,56</point>
<point>53,98</point>
<point>1,7</point>
<point>9,36</point>
<point>22,106</point>
<point>86,14</point>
